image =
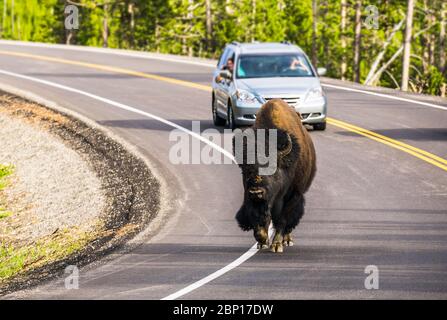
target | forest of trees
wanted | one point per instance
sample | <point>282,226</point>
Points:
<point>398,44</point>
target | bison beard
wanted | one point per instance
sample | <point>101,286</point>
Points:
<point>278,198</point>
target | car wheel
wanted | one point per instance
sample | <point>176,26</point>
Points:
<point>230,117</point>
<point>218,121</point>
<point>319,126</point>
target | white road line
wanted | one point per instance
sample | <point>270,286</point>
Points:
<point>124,107</point>
<point>431,105</point>
<point>247,255</point>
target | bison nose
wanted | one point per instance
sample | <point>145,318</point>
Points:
<point>257,192</point>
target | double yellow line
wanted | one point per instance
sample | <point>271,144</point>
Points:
<point>416,152</point>
<point>108,69</point>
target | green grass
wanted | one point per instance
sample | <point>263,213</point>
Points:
<point>5,171</point>
<point>16,260</point>
<point>4,213</point>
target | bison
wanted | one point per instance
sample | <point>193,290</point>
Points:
<point>278,197</point>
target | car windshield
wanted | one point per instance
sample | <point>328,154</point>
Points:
<point>267,66</point>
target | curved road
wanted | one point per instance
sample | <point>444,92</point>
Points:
<point>373,202</point>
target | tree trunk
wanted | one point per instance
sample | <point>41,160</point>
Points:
<point>253,23</point>
<point>325,6</point>
<point>432,49</point>
<point>209,26</point>
<point>343,39</point>
<point>314,32</point>
<point>442,40</point>
<point>431,42</point>
<point>426,41</point>
<point>12,18</point>
<point>379,72</point>
<point>5,5</point>
<point>380,56</point>
<point>131,10</point>
<point>69,34</point>
<point>191,25</point>
<point>357,35</point>
<point>105,26</point>
<point>19,35</point>
<point>407,45</point>
<point>157,35</point>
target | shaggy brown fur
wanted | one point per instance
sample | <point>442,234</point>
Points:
<point>279,197</point>
<point>277,114</point>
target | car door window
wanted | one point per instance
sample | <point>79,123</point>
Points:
<point>223,58</point>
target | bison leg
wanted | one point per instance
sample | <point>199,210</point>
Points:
<point>276,245</point>
<point>261,233</point>
<point>293,211</point>
<point>286,220</point>
<point>287,241</point>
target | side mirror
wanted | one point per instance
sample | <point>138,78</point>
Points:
<point>225,74</point>
<point>321,71</point>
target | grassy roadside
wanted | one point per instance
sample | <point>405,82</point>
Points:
<point>32,250</point>
<point>16,259</point>
<point>5,171</point>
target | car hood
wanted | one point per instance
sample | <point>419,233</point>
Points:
<point>279,86</point>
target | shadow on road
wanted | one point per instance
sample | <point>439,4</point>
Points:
<point>149,124</point>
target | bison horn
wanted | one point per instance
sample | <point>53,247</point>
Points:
<point>284,152</point>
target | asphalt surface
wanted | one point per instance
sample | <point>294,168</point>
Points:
<point>370,204</point>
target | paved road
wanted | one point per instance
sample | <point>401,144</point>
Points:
<point>370,204</point>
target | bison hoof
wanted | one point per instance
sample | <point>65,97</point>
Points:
<point>262,245</point>
<point>288,243</point>
<point>276,247</point>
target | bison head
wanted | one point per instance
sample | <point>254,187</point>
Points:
<point>262,192</point>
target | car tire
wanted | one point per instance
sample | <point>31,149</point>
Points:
<point>319,126</point>
<point>230,117</point>
<point>218,121</point>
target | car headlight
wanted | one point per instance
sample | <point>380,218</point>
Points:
<point>314,94</point>
<point>246,96</point>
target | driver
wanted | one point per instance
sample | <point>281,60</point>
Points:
<point>228,66</point>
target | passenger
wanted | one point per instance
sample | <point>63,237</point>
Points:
<point>296,64</point>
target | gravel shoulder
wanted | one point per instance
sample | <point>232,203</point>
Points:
<point>52,187</point>
<point>74,194</point>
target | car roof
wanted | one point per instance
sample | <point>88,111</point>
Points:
<point>266,47</point>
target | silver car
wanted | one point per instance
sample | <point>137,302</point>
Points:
<point>249,74</point>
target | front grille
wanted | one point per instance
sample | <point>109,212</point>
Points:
<point>294,102</point>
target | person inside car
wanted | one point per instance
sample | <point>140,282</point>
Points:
<point>228,66</point>
<point>296,65</point>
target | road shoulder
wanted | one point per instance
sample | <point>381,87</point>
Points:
<point>130,190</point>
